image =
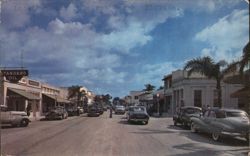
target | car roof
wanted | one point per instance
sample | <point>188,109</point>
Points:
<point>137,106</point>
<point>190,107</point>
<point>226,109</point>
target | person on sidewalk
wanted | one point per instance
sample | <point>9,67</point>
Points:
<point>110,112</point>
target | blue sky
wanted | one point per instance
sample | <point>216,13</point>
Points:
<point>113,46</point>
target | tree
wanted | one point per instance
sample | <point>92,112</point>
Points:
<point>116,101</point>
<point>75,92</point>
<point>149,88</point>
<point>209,68</point>
<point>161,87</point>
<point>107,98</point>
<point>245,58</point>
<point>242,63</point>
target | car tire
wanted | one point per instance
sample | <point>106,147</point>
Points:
<point>215,136</point>
<point>145,122</point>
<point>24,123</point>
<point>192,128</point>
<point>247,137</point>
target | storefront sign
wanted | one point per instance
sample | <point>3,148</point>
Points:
<point>14,75</point>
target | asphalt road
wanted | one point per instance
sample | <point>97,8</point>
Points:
<point>104,136</point>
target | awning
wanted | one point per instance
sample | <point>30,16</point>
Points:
<point>244,92</point>
<point>24,94</point>
<point>57,98</point>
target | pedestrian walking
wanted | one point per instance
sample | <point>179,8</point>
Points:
<point>110,112</point>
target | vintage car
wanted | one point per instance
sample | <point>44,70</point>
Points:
<point>119,109</point>
<point>14,118</point>
<point>137,114</point>
<point>57,113</point>
<point>93,111</point>
<point>72,111</point>
<point>100,109</point>
<point>222,122</point>
<point>184,115</point>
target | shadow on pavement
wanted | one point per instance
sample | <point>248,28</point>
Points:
<point>206,138</point>
<point>178,127</point>
<point>9,126</point>
<point>152,131</point>
<point>195,149</point>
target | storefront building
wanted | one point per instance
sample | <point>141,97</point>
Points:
<point>23,96</point>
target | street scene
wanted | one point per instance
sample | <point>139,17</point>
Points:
<point>113,136</point>
<point>124,78</point>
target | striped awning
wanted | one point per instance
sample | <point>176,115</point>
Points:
<point>25,94</point>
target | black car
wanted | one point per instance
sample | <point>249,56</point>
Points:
<point>72,111</point>
<point>100,109</point>
<point>57,113</point>
<point>184,115</point>
<point>137,114</point>
<point>93,111</point>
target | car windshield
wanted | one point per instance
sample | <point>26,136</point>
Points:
<point>193,111</point>
<point>236,114</point>
<point>138,109</point>
<point>119,106</point>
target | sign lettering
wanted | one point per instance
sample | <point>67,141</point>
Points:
<point>14,75</point>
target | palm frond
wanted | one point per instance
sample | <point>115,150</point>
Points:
<point>201,65</point>
<point>232,67</point>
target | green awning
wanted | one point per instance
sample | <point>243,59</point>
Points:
<point>57,98</point>
<point>244,92</point>
<point>24,94</point>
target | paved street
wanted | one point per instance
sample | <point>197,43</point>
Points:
<point>94,136</point>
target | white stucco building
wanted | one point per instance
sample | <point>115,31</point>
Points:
<point>196,90</point>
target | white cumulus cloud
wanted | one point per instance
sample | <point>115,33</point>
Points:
<point>226,37</point>
<point>68,13</point>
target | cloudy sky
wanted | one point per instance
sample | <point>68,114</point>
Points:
<point>113,46</point>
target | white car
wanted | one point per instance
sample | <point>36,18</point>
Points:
<point>14,118</point>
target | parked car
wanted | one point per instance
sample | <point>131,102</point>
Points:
<point>14,118</point>
<point>137,114</point>
<point>57,113</point>
<point>100,109</point>
<point>184,115</point>
<point>222,122</point>
<point>80,110</point>
<point>93,111</point>
<point>72,111</point>
<point>119,109</point>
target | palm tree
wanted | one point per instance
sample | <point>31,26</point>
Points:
<point>245,58</point>
<point>149,88</point>
<point>244,75</point>
<point>209,68</point>
<point>77,93</point>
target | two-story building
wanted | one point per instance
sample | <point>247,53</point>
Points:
<point>196,90</point>
<point>25,95</point>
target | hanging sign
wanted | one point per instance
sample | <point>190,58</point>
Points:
<point>14,75</point>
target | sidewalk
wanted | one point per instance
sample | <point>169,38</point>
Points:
<point>38,118</point>
<point>163,115</point>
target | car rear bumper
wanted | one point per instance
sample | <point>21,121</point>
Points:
<point>139,120</point>
<point>119,112</point>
